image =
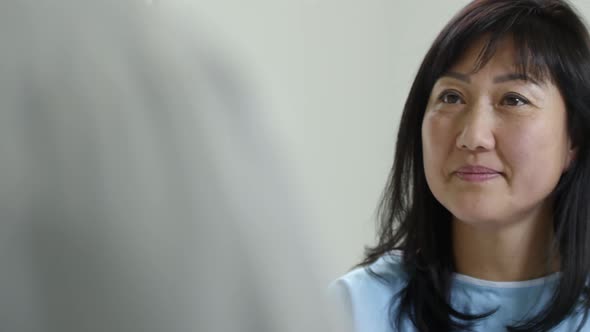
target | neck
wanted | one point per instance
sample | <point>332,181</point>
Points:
<point>514,252</point>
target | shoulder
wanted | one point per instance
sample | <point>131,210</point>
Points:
<point>365,293</point>
<point>386,271</point>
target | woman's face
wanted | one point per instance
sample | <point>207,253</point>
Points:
<point>494,144</point>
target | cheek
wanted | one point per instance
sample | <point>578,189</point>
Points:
<point>437,143</point>
<point>535,156</point>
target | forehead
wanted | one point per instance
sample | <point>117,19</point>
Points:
<point>504,57</point>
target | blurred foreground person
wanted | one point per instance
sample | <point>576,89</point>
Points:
<point>139,189</point>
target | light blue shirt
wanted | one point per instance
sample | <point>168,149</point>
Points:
<point>366,299</point>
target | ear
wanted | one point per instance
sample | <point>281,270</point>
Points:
<point>571,155</point>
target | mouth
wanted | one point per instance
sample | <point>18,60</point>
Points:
<point>477,173</point>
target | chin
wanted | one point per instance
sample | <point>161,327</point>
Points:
<point>483,219</point>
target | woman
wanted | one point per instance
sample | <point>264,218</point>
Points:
<point>484,220</point>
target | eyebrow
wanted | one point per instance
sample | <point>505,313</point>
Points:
<point>498,79</point>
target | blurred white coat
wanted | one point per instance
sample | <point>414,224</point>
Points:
<point>140,190</point>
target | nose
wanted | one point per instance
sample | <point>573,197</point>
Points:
<point>477,130</point>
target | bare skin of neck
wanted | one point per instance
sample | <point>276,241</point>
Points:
<point>514,251</point>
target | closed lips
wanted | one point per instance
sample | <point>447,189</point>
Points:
<point>476,170</point>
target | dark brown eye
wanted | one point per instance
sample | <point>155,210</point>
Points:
<point>450,97</point>
<point>514,100</point>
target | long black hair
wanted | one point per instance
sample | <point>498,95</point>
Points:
<point>552,44</point>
